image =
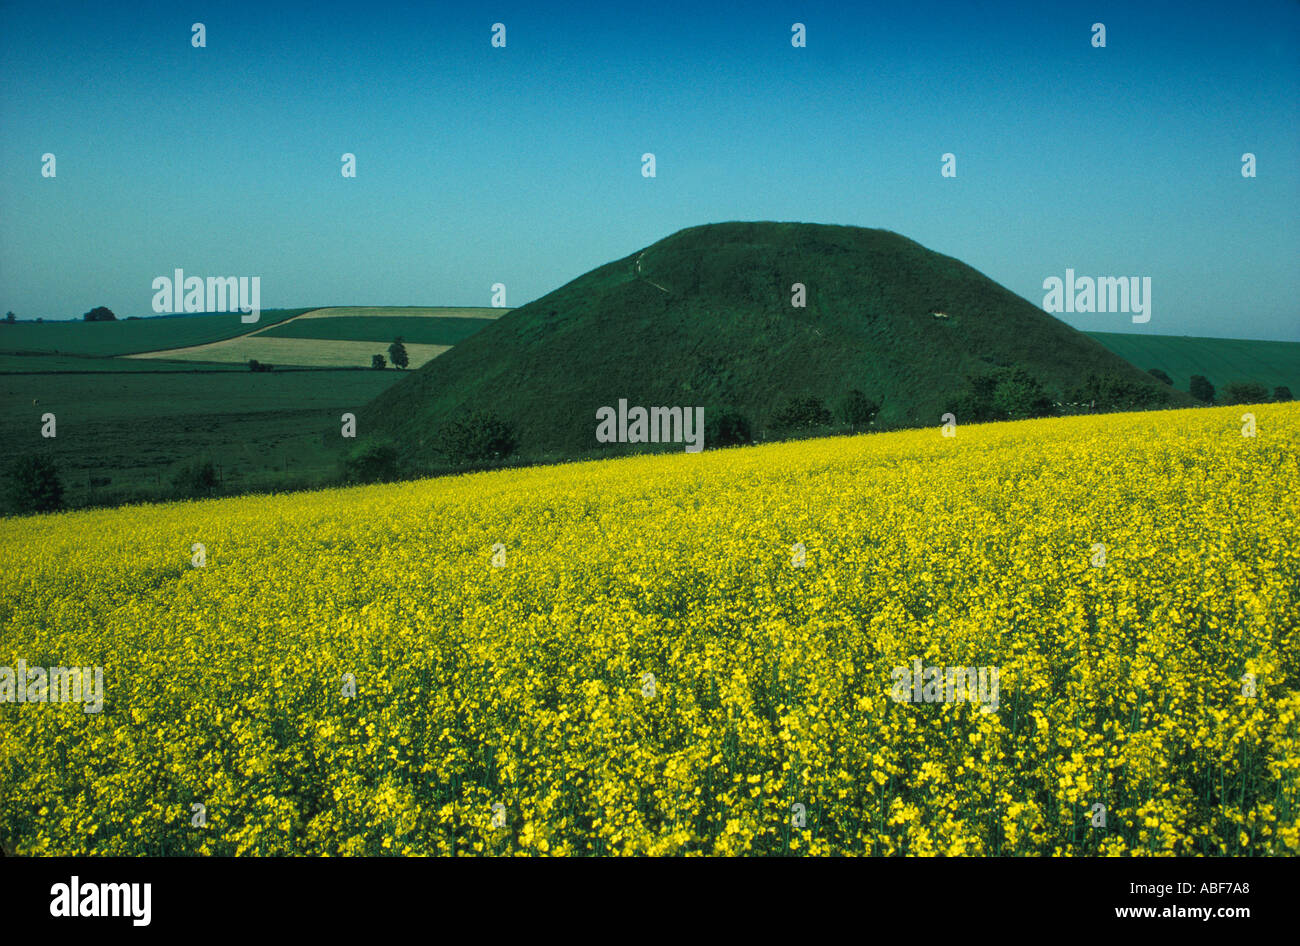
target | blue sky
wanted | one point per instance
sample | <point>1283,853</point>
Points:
<point>521,165</point>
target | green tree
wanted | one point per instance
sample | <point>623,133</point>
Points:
<point>371,462</point>
<point>858,410</point>
<point>1244,392</point>
<point>1007,393</point>
<point>1112,392</point>
<point>10,317</point>
<point>1160,376</point>
<point>196,478</point>
<point>1201,389</point>
<point>33,485</point>
<point>802,413</point>
<point>1019,395</point>
<point>1281,393</point>
<point>100,314</point>
<point>378,363</point>
<point>397,353</point>
<point>476,438</point>
<point>727,428</point>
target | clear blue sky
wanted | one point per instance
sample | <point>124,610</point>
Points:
<point>522,165</point>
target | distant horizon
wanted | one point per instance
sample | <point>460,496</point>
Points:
<point>364,305</point>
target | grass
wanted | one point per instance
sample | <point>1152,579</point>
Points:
<point>264,430</point>
<point>34,363</point>
<point>408,311</point>
<point>136,399</point>
<point>438,330</point>
<point>1220,359</point>
<point>313,352</point>
<point>108,339</point>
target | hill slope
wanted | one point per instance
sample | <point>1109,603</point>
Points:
<point>704,318</point>
<point>1222,360</point>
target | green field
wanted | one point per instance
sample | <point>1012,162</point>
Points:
<point>136,399</point>
<point>133,421</point>
<point>36,363</point>
<point>135,429</point>
<point>490,313</point>
<point>437,330</point>
<point>1220,359</point>
<point>126,337</point>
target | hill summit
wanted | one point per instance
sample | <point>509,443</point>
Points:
<point>708,317</point>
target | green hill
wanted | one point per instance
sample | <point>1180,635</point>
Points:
<point>704,318</point>
<point>1220,359</point>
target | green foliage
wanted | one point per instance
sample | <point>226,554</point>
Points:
<point>374,461</point>
<point>397,353</point>
<point>1281,393</point>
<point>1202,389</point>
<point>100,314</point>
<point>255,365</point>
<point>1110,392</point>
<point>1160,376</point>
<point>1008,393</point>
<point>195,478</point>
<point>1244,392</point>
<point>1019,395</point>
<point>378,363</point>
<point>477,438</point>
<point>727,428</point>
<point>10,317</point>
<point>33,485</point>
<point>802,413</point>
<point>858,410</point>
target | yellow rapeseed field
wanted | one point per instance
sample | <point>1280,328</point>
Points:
<point>685,654</point>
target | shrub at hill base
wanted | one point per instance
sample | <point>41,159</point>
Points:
<point>1003,394</point>
<point>32,485</point>
<point>801,413</point>
<point>1115,393</point>
<point>1160,376</point>
<point>374,461</point>
<point>1201,389</point>
<point>727,428</point>
<point>858,410</point>
<point>196,478</point>
<point>476,439</point>
<point>1244,392</point>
